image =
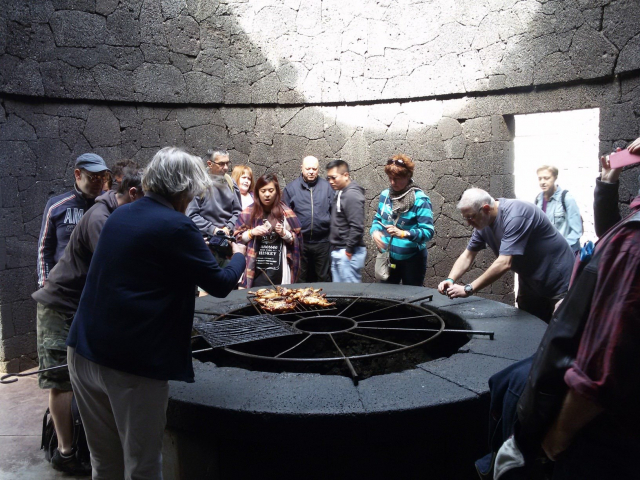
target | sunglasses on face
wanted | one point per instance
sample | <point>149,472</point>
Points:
<point>398,162</point>
<point>96,177</point>
<point>222,164</point>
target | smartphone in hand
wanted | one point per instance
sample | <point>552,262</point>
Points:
<point>623,158</point>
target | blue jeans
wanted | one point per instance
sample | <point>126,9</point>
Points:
<point>345,270</point>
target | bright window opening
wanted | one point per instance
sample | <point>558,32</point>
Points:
<point>566,140</point>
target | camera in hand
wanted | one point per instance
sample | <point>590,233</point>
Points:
<point>221,243</point>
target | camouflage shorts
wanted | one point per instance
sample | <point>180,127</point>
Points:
<point>53,329</point>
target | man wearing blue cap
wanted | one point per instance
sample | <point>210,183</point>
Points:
<point>63,212</point>
<point>61,215</point>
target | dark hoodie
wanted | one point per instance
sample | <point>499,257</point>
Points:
<point>66,280</point>
<point>347,218</point>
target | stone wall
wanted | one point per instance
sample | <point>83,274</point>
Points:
<point>275,81</point>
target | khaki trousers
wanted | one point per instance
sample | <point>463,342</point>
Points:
<point>124,416</point>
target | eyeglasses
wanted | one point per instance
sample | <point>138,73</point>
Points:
<point>471,217</point>
<point>222,164</point>
<point>96,177</point>
<point>398,162</point>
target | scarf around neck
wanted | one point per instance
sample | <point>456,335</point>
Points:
<point>403,200</point>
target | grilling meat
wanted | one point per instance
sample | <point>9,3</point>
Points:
<point>278,306</point>
<point>317,301</point>
<point>283,299</point>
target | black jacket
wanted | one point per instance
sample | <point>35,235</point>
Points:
<point>605,206</point>
<point>312,206</point>
<point>347,218</point>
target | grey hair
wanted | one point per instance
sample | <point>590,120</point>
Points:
<point>174,172</point>
<point>212,154</point>
<point>475,198</point>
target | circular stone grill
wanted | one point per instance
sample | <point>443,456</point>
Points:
<point>267,417</point>
<point>356,328</point>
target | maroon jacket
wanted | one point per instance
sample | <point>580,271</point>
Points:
<point>607,367</point>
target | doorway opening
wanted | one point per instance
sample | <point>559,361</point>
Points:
<point>567,140</point>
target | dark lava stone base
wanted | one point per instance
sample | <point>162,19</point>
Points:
<point>426,422</point>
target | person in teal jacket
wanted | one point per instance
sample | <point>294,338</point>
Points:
<point>403,223</point>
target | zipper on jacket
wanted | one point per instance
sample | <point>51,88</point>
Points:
<point>311,233</point>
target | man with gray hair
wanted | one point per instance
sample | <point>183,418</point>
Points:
<point>218,209</point>
<point>132,331</point>
<point>523,240</point>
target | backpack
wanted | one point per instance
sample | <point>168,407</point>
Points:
<point>49,441</point>
<point>544,393</point>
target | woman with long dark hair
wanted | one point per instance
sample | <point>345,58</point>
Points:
<point>273,237</point>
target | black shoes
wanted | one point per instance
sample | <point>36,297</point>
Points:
<point>69,464</point>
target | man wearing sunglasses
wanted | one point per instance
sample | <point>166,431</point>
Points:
<point>63,212</point>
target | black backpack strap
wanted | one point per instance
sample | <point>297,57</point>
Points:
<point>562,196</point>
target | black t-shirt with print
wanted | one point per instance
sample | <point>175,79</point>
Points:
<point>269,259</point>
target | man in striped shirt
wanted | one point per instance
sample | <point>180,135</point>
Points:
<point>63,212</point>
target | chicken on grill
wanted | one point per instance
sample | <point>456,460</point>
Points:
<point>283,299</point>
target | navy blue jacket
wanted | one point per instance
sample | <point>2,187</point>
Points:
<point>136,310</point>
<point>312,206</point>
<point>61,215</point>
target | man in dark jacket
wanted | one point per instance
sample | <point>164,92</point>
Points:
<point>132,330</point>
<point>63,212</point>
<point>57,303</point>
<point>310,196</point>
<point>348,252</point>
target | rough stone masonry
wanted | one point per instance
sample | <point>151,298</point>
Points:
<point>275,80</point>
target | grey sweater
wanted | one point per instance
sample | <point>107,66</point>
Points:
<point>347,218</point>
<point>219,207</point>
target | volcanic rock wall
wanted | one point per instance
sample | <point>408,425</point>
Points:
<point>273,81</point>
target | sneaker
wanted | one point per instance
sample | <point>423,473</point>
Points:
<point>69,464</point>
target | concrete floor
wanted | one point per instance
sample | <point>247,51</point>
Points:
<point>22,406</point>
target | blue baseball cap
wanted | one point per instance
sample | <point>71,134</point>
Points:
<point>91,163</point>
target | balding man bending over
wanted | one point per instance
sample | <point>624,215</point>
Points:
<point>524,240</point>
<point>309,196</point>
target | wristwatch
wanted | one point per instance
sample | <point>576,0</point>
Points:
<point>468,289</point>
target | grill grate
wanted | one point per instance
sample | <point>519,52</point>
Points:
<point>233,331</point>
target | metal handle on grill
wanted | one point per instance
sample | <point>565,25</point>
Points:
<point>5,378</point>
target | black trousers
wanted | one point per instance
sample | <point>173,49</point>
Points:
<point>541,307</point>
<point>410,271</point>
<point>315,263</point>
